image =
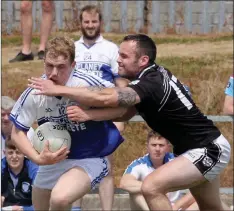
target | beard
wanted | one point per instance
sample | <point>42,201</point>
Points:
<point>91,37</point>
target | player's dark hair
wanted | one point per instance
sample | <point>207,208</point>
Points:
<point>145,45</point>
<point>90,8</point>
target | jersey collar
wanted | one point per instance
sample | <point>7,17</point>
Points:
<point>147,68</point>
<point>99,39</point>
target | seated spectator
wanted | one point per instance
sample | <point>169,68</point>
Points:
<point>158,154</point>
<point>228,102</point>
<point>7,104</point>
<point>17,176</point>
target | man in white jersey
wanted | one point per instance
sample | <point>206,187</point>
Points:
<point>98,56</point>
<point>158,154</point>
<point>60,181</point>
<point>7,104</point>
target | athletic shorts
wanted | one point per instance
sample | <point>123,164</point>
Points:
<point>48,175</point>
<point>212,159</point>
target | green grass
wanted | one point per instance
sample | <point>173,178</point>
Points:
<point>16,40</point>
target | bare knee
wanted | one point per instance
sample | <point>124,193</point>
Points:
<point>47,6</point>
<point>147,189</point>
<point>150,188</point>
<point>59,200</point>
<point>26,7</point>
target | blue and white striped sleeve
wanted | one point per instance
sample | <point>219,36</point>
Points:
<point>24,111</point>
<point>134,169</point>
<point>229,87</point>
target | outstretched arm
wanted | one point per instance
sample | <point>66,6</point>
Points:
<point>90,96</point>
<point>76,113</point>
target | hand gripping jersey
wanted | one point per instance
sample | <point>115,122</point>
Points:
<point>229,88</point>
<point>143,166</point>
<point>168,109</point>
<point>89,139</point>
<point>99,59</point>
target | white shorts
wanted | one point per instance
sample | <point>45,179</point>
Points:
<point>212,159</point>
<point>47,176</point>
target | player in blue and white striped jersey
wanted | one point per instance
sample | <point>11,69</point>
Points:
<point>62,180</point>
<point>158,154</point>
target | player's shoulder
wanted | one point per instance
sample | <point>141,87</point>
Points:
<point>144,160</point>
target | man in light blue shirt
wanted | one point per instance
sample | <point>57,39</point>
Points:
<point>228,102</point>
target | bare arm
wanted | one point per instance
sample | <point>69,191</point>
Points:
<point>130,183</point>
<point>228,105</point>
<point>184,202</point>
<point>121,82</point>
<point>90,96</point>
<point>23,144</point>
<point>76,113</point>
<point>46,157</point>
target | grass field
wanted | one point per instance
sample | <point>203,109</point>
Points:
<point>204,63</point>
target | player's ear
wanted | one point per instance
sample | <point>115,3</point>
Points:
<point>144,60</point>
<point>73,64</point>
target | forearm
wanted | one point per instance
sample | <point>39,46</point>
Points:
<point>106,114</point>
<point>23,144</point>
<point>85,96</point>
<point>184,202</point>
<point>132,186</point>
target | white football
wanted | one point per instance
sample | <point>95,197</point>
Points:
<point>55,133</point>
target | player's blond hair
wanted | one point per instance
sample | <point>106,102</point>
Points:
<point>154,134</point>
<point>61,46</point>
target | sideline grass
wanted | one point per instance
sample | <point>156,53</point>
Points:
<point>16,40</point>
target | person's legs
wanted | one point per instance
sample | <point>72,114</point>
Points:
<point>26,25</point>
<point>46,22</point>
<point>72,185</point>
<point>137,202</point>
<point>40,195</point>
<point>207,195</point>
<point>194,168</point>
<point>178,174</point>
<point>106,188</point>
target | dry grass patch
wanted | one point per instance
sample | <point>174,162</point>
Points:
<point>195,49</point>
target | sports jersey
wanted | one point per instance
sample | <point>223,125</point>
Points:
<point>143,166</point>
<point>89,139</point>
<point>229,88</point>
<point>168,109</point>
<point>99,59</point>
<point>17,189</point>
<point>30,134</point>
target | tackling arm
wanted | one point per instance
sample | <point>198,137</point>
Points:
<point>90,96</point>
